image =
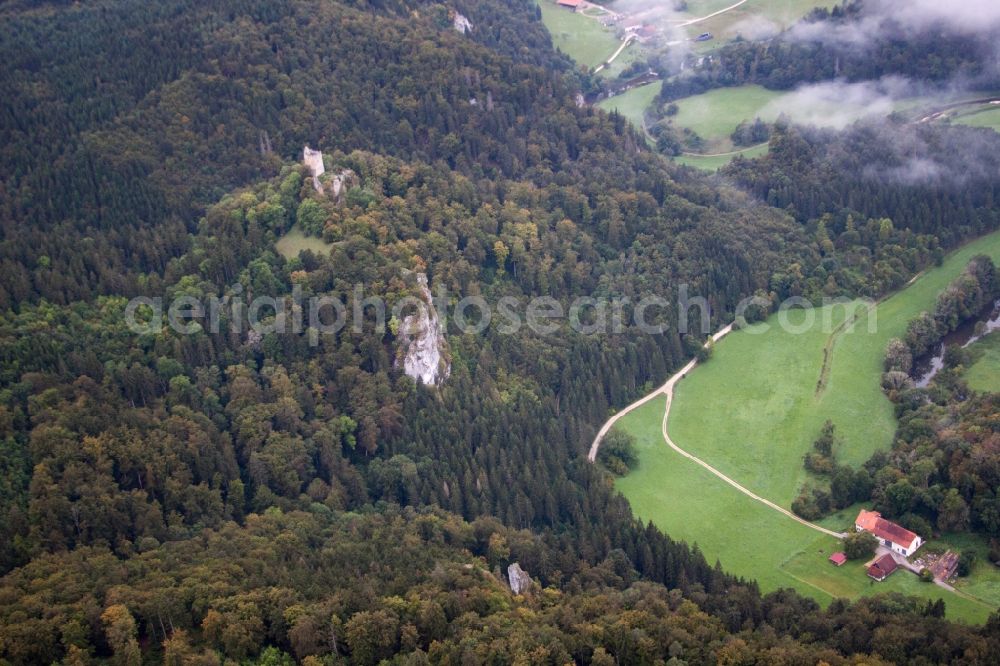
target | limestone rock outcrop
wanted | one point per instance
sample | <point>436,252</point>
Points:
<point>462,24</point>
<point>518,578</point>
<point>423,351</point>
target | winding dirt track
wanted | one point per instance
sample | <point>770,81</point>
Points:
<point>625,42</point>
<point>682,24</point>
<point>731,152</point>
<point>668,390</point>
<point>705,18</point>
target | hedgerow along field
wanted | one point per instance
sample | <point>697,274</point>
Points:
<point>713,162</point>
<point>753,411</point>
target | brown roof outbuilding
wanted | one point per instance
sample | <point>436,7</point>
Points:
<point>882,567</point>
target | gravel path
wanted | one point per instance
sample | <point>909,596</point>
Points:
<point>668,390</point>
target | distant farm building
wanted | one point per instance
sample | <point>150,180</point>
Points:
<point>894,537</point>
<point>642,32</point>
<point>945,566</point>
<point>572,5</point>
<point>882,567</point>
<point>838,559</point>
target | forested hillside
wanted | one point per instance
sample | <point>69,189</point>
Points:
<point>931,179</point>
<point>221,494</point>
<point>122,120</point>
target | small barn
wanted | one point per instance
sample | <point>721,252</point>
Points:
<point>881,568</point>
<point>571,5</point>
<point>838,559</point>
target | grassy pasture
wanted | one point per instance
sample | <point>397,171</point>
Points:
<point>583,39</point>
<point>633,52</point>
<point>752,412</point>
<point>984,583</point>
<point>748,538</point>
<point>715,114</point>
<point>983,117</point>
<point>983,373</point>
<point>633,103</point>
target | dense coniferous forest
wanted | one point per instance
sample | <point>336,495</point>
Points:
<point>930,179</point>
<point>263,498</point>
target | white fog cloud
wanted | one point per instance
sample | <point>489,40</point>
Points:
<point>961,15</point>
<point>837,104</point>
<point>879,17</point>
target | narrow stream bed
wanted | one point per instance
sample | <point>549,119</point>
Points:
<point>926,367</point>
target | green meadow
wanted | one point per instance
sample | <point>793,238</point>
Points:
<point>753,412</point>
<point>984,583</point>
<point>747,537</point>
<point>984,117</point>
<point>715,117</point>
<point>633,52</point>
<point>295,241</point>
<point>715,114</point>
<point>583,39</point>
<point>633,103</point>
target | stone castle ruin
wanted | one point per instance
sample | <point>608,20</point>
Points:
<point>337,185</point>
<point>313,159</point>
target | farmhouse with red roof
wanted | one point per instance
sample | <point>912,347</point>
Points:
<point>894,537</point>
